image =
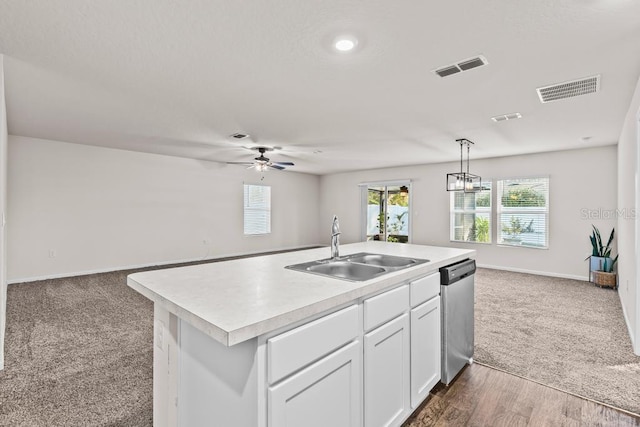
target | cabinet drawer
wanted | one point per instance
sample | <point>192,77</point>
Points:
<point>292,350</point>
<point>424,289</point>
<point>386,306</point>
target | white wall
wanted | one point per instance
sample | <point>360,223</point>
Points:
<point>103,209</point>
<point>3,204</point>
<point>579,179</point>
<point>629,237</point>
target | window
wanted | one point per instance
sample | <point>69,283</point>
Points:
<point>523,212</point>
<point>257,209</point>
<point>385,211</point>
<point>471,215</point>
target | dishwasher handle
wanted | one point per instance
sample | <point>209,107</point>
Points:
<point>458,271</point>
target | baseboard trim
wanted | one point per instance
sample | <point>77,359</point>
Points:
<point>155,264</point>
<point>536,272</point>
<point>636,349</point>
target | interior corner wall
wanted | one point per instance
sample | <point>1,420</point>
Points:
<point>3,204</point>
<point>628,226</point>
<point>77,209</point>
<point>577,199</point>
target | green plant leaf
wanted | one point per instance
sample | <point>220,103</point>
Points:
<point>613,263</point>
<point>599,241</point>
<point>594,245</point>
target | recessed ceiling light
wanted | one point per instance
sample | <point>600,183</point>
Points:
<point>345,43</point>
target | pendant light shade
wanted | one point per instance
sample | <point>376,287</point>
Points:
<point>464,181</point>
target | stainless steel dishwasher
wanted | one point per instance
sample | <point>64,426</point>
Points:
<point>457,299</point>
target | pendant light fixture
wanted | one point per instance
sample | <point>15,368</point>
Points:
<point>464,181</point>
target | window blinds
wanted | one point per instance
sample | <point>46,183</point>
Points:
<point>257,209</point>
<point>523,212</point>
<point>471,215</point>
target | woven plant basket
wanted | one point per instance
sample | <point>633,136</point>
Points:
<point>602,278</point>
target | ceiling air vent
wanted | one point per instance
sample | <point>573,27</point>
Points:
<point>504,117</point>
<point>239,135</point>
<point>464,65</point>
<point>471,63</point>
<point>447,71</point>
<point>569,89</point>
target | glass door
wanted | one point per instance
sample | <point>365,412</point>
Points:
<point>386,213</point>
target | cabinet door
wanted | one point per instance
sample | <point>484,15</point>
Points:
<point>326,393</point>
<point>425,349</point>
<point>386,373</point>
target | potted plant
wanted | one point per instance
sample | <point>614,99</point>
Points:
<point>382,222</point>
<point>601,262</point>
<point>514,229</point>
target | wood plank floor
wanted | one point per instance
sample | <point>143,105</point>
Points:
<point>483,396</point>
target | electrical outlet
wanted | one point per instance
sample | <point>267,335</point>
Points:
<point>52,253</point>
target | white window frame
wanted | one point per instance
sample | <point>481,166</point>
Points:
<point>364,186</point>
<point>251,212</point>
<point>505,210</point>
<point>488,211</point>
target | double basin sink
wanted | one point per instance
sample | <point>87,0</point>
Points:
<point>357,267</point>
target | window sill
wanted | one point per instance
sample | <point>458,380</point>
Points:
<point>506,245</point>
<point>470,241</point>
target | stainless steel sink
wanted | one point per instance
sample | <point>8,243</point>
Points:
<point>384,260</point>
<point>347,270</point>
<point>357,267</point>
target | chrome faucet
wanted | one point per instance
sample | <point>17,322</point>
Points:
<point>335,238</point>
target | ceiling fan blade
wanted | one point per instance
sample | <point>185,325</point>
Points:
<point>283,163</point>
<point>276,167</point>
<point>240,163</point>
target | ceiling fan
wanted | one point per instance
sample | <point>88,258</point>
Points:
<point>262,163</point>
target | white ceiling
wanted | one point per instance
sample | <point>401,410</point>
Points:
<point>178,77</point>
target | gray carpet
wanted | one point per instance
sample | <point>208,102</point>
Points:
<point>78,353</point>
<point>565,333</point>
<point>79,350</point>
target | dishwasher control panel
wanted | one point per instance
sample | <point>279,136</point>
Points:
<point>454,272</point>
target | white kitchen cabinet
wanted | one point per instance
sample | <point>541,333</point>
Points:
<point>386,373</point>
<point>386,306</point>
<point>425,288</point>
<point>425,349</point>
<point>327,393</point>
<point>288,349</point>
<point>297,348</point>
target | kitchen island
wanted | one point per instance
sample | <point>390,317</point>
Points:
<point>249,343</point>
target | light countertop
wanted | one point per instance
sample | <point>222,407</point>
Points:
<point>233,301</point>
